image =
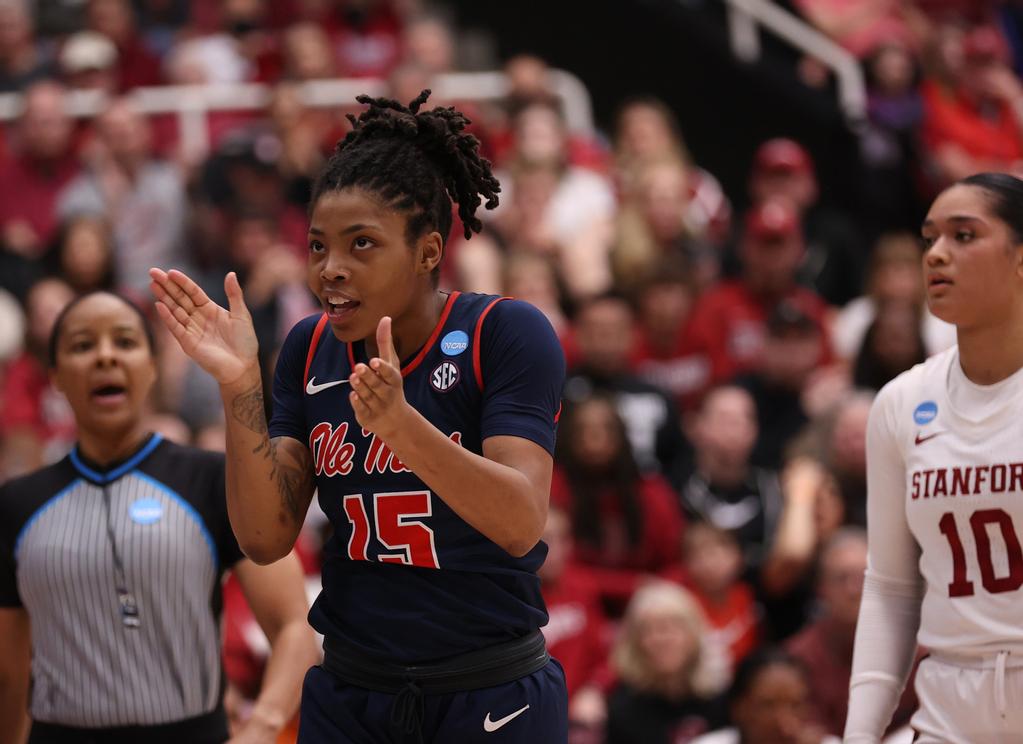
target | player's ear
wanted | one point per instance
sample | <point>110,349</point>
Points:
<point>429,252</point>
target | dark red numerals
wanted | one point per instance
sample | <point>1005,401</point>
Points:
<point>979,522</point>
<point>397,528</point>
<point>960,586</point>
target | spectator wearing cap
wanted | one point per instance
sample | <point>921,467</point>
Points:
<point>143,198</point>
<point>976,125</point>
<point>22,60</point>
<point>135,64</point>
<point>88,61</point>
<point>43,163</point>
<point>728,324</point>
<point>835,254</point>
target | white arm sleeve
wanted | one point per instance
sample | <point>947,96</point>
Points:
<point>893,589</point>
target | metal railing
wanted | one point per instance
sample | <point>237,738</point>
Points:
<point>746,16</point>
<point>191,103</point>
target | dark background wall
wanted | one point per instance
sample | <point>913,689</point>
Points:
<point>678,50</point>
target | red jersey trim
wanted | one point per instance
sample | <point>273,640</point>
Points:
<point>476,368</point>
<point>411,366</point>
<point>313,343</point>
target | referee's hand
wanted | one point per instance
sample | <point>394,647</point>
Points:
<point>222,342</point>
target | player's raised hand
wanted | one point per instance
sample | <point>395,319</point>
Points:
<point>222,342</point>
<point>378,395</point>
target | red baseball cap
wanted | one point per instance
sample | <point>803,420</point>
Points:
<point>782,154</point>
<point>773,219</point>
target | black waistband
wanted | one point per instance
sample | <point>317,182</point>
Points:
<point>488,667</point>
<point>209,728</point>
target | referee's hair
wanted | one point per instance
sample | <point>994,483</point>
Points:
<point>58,324</point>
<point>418,162</point>
<point>1006,196</point>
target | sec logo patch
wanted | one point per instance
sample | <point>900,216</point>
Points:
<point>444,377</point>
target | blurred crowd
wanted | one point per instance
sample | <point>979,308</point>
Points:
<point>706,532</point>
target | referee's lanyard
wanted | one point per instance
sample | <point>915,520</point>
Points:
<point>129,607</point>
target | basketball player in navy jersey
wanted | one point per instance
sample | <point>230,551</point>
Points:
<point>425,421</point>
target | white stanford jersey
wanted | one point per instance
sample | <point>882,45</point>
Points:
<point>952,453</point>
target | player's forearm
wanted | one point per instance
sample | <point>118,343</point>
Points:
<point>497,500</point>
<point>293,651</point>
<point>267,489</point>
<point>885,647</point>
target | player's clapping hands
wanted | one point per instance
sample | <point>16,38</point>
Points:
<point>223,342</point>
<point>377,393</point>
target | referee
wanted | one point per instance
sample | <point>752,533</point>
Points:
<point>111,564</point>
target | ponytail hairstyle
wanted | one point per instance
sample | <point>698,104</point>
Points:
<point>417,162</point>
<point>1005,194</point>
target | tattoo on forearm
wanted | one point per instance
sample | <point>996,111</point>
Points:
<point>291,480</point>
<point>249,411</point>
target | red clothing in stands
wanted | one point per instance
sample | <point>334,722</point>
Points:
<point>618,566</point>
<point>29,189</point>
<point>828,661</point>
<point>735,621</point>
<point>680,369</point>
<point>31,403</point>
<point>728,326</point>
<point>577,634</point>
<point>952,118</point>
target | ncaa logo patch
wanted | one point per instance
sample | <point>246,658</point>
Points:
<point>444,377</point>
<point>454,343</point>
<point>925,412</point>
<point>145,511</point>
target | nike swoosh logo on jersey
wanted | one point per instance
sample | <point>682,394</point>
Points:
<point>312,388</point>
<point>921,439</point>
<point>491,726</point>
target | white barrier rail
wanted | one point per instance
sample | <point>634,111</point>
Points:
<point>746,16</point>
<point>191,103</point>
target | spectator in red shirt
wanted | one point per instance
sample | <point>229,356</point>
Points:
<point>115,19</point>
<point>626,525</point>
<point>577,633</point>
<point>36,422</point>
<point>43,163</point>
<point>825,646</point>
<point>664,355</point>
<point>728,322</point>
<point>976,124</point>
<point>712,566</point>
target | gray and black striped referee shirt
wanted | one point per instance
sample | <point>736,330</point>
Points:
<point>168,521</point>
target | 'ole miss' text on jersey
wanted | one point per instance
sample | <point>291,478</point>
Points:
<point>403,575</point>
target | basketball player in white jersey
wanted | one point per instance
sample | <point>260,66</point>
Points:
<point>945,492</point>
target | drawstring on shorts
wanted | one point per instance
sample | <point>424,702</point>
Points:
<point>408,710</point>
<point>1000,660</point>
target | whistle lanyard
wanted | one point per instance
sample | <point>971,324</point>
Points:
<point>128,606</point>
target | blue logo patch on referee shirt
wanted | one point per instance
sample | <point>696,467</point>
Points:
<point>146,511</point>
<point>454,343</point>
<point>925,412</point>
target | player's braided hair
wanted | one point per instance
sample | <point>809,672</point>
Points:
<point>417,161</point>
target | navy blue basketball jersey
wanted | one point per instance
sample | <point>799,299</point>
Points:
<point>403,575</point>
